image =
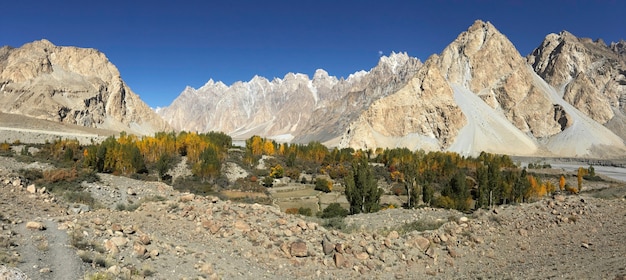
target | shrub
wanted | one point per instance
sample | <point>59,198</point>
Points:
<point>79,197</point>
<point>193,185</point>
<point>334,210</point>
<point>291,211</point>
<point>323,185</point>
<point>398,190</point>
<point>335,223</point>
<point>305,211</point>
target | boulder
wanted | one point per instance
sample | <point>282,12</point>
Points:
<point>299,249</point>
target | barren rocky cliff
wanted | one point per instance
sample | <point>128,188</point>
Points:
<point>71,85</point>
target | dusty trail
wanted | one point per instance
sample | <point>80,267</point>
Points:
<point>48,253</point>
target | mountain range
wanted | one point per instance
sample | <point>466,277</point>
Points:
<point>567,98</point>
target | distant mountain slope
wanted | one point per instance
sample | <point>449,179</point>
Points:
<point>71,85</point>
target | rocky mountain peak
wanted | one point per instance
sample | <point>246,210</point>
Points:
<point>394,61</point>
<point>619,47</point>
<point>71,85</point>
<point>588,74</point>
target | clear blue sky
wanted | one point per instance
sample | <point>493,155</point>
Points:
<point>162,46</point>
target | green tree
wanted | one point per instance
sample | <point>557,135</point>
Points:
<point>163,165</point>
<point>361,189</point>
<point>482,178</point>
<point>209,165</point>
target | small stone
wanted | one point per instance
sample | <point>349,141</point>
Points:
<point>443,238</point>
<point>187,197</point>
<point>393,235</point>
<point>298,249</point>
<point>35,226</point>
<point>98,221</point>
<point>463,220</point>
<point>129,230</point>
<point>370,250</point>
<point>302,225</point>
<point>339,259</point>
<point>31,188</point>
<point>215,228</point>
<point>145,239</point>
<point>523,232</point>
<point>111,247</point>
<point>559,198</point>
<point>154,253</point>
<point>45,270</point>
<point>119,241</point>
<point>478,239</point>
<point>361,255</point>
<point>130,191</point>
<point>139,249</point>
<point>116,227</point>
<point>327,246</point>
<point>585,245</point>
<point>312,226</point>
<point>339,248</point>
<point>422,243</point>
<point>387,243</point>
<point>242,226</point>
<point>114,269</point>
<point>430,252</point>
<point>452,252</point>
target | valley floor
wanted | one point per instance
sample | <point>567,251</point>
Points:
<point>171,235</point>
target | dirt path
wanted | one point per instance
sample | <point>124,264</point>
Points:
<point>48,253</point>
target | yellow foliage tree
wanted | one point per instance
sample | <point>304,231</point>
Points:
<point>268,148</point>
<point>562,183</point>
<point>581,172</point>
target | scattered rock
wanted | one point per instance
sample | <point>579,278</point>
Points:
<point>145,239</point>
<point>139,249</point>
<point>111,247</point>
<point>463,220</point>
<point>35,225</point>
<point>242,226</point>
<point>339,259</point>
<point>31,188</point>
<point>187,197</point>
<point>422,243</point>
<point>361,255</point>
<point>393,235</point>
<point>523,232</point>
<point>327,246</point>
<point>299,249</point>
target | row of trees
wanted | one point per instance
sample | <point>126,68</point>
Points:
<point>440,179</point>
<point>129,154</point>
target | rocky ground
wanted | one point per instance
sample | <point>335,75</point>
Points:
<point>148,230</point>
